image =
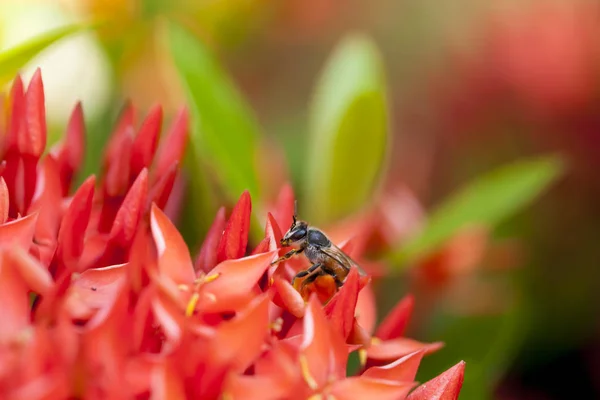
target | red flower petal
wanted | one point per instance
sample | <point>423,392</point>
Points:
<point>394,325</point>
<point>443,387</point>
<point>94,249</point>
<point>394,348</point>
<point>19,231</point>
<point>288,298</point>
<point>19,274</point>
<point>341,307</point>
<point>366,308</point>
<point>234,283</point>
<point>34,275</point>
<point>284,210</point>
<point>105,347</point>
<point>273,232</point>
<point>238,342</point>
<point>404,369</point>
<point>116,179</point>
<point>138,374</point>
<point>359,335</point>
<point>367,388</point>
<point>48,197</point>
<point>128,216</point>
<point>94,290</point>
<point>146,141</point>
<point>16,122</point>
<point>33,141</point>
<point>166,384</point>
<point>174,259</point>
<point>15,301</point>
<point>207,257</point>
<point>172,146</point>
<point>271,239</point>
<point>253,388</point>
<point>4,201</point>
<point>124,127</point>
<point>170,318</point>
<point>262,247</point>
<point>69,154</point>
<point>280,362</point>
<point>74,224</point>
<point>316,346</point>
<point>160,192</point>
<point>235,237</point>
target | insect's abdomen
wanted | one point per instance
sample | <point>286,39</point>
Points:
<point>336,269</point>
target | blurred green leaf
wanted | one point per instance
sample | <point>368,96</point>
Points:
<point>200,203</point>
<point>348,131</point>
<point>487,201</point>
<point>488,344</point>
<point>15,58</point>
<point>225,132</point>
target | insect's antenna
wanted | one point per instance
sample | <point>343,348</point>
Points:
<point>295,211</point>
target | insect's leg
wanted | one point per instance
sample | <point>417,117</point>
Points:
<point>306,272</point>
<point>314,267</point>
<point>311,278</point>
<point>313,271</point>
<point>288,255</point>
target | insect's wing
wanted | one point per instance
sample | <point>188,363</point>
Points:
<point>342,258</point>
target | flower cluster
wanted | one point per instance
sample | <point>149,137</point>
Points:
<point>101,298</point>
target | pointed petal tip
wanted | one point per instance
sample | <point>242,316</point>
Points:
<point>395,323</point>
<point>33,141</point>
<point>131,210</point>
<point>288,298</point>
<point>445,386</point>
<point>403,369</point>
<point>207,256</point>
<point>342,306</point>
<point>235,236</point>
<point>174,260</point>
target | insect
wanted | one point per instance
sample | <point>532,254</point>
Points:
<point>326,257</point>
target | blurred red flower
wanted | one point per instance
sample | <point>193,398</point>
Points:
<point>121,311</point>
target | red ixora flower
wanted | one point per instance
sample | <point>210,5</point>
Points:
<point>121,310</point>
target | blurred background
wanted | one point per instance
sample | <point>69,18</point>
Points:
<point>470,85</point>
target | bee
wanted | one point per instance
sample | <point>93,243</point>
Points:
<point>326,258</point>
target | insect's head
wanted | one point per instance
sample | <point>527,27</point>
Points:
<point>297,232</point>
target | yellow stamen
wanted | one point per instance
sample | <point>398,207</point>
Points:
<point>375,340</point>
<point>211,278</point>
<point>271,281</point>
<point>191,306</point>
<point>308,378</point>
<point>362,356</point>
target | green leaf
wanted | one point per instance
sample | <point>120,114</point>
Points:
<point>488,344</point>
<point>224,131</point>
<point>348,131</point>
<point>15,58</point>
<point>487,201</point>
